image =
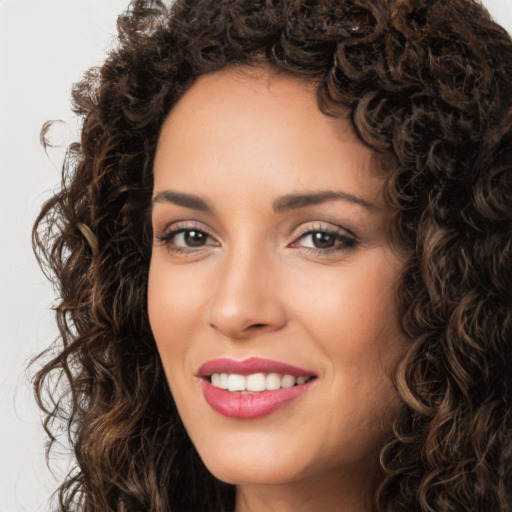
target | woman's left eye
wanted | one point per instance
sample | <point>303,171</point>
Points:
<point>324,241</point>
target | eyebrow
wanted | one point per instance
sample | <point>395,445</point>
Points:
<point>182,199</point>
<point>280,205</point>
<point>295,201</point>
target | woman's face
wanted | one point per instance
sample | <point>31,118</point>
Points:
<point>271,274</point>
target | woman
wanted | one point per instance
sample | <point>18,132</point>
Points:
<point>283,251</point>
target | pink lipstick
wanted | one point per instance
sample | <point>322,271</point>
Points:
<point>252,388</point>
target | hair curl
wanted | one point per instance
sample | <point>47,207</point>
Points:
<point>428,84</point>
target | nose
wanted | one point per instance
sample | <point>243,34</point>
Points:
<point>246,300</point>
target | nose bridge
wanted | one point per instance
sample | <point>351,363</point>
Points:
<point>245,299</point>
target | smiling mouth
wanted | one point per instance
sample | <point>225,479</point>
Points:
<point>255,382</point>
<point>252,388</point>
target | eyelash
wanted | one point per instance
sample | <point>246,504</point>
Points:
<point>166,238</point>
<point>343,242</point>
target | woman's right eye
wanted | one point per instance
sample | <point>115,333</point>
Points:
<point>186,239</point>
<point>190,238</point>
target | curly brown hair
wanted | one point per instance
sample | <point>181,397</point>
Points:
<point>428,84</point>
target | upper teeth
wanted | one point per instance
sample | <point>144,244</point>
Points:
<point>255,381</point>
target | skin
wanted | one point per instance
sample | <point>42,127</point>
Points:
<point>256,285</point>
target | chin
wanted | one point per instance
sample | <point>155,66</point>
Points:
<point>251,461</point>
<point>253,472</point>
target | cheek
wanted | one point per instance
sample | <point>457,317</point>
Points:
<point>173,309</point>
<point>351,311</point>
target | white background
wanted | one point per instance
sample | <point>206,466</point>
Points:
<point>45,45</point>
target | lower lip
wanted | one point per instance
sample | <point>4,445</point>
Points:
<point>248,406</point>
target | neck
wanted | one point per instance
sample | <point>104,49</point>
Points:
<point>333,493</point>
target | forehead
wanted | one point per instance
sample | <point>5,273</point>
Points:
<point>243,127</point>
<point>247,97</point>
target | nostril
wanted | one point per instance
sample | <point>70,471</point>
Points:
<point>257,326</point>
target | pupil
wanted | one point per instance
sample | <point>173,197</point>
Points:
<point>194,238</point>
<point>323,240</point>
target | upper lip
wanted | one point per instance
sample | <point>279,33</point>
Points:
<point>251,365</point>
